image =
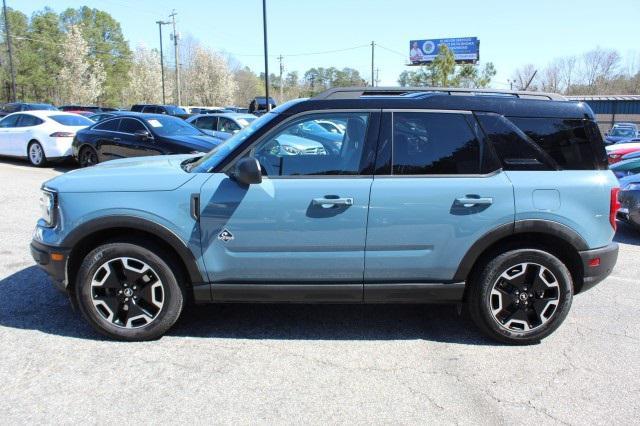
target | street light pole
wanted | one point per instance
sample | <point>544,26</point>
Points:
<point>373,47</point>
<point>7,34</point>
<point>160,24</point>
<point>177,56</point>
<point>266,54</point>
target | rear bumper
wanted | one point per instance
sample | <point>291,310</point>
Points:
<point>608,256</point>
<point>57,269</point>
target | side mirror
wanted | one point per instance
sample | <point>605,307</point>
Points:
<point>143,135</point>
<point>247,171</point>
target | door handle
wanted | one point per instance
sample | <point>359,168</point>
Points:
<point>116,139</point>
<point>473,201</point>
<point>324,201</point>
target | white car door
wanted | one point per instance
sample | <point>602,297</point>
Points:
<point>7,135</point>
<point>24,132</point>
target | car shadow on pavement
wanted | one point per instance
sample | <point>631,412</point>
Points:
<point>59,166</point>
<point>30,301</point>
<point>627,234</point>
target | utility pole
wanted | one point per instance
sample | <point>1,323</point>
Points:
<point>177,55</point>
<point>266,54</point>
<point>160,24</point>
<point>280,58</point>
<point>373,47</point>
<point>7,34</point>
<point>530,80</point>
<point>377,77</point>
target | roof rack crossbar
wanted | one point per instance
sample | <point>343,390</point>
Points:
<point>357,92</point>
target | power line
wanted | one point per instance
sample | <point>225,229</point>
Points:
<point>290,55</point>
<point>391,50</point>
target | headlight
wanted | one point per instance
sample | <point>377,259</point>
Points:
<point>290,150</point>
<point>632,187</point>
<point>47,206</point>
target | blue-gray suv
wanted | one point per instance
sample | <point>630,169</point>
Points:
<point>501,201</point>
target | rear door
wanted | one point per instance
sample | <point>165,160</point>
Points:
<point>106,138</point>
<point>436,191</point>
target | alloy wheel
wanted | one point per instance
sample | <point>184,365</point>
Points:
<point>524,297</point>
<point>35,153</point>
<point>88,157</point>
<point>127,292</point>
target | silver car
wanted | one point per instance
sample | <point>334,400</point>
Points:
<point>221,126</point>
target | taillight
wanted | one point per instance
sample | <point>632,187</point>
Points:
<point>62,135</point>
<point>614,206</point>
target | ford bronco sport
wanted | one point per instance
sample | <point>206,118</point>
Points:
<point>501,201</point>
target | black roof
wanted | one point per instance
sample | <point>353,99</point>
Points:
<point>509,103</point>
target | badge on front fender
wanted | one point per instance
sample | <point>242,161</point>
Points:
<point>225,236</point>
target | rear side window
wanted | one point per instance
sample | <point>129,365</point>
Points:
<point>511,144</point>
<point>108,125</point>
<point>565,140</point>
<point>209,123</point>
<point>426,143</point>
<point>71,120</point>
<point>27,120</point>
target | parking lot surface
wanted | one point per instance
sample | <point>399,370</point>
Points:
<point>314,364</point>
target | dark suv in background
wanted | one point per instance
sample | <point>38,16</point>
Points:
<point>174,110</point>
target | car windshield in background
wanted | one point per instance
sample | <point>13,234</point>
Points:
<point>71,120</point>
<point>625,132</point>
<point>635,140</point>
<point>175,110</point>
<point>172,126</point>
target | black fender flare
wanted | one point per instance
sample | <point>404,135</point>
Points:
<point>539,226</point>
<point>139,224</point>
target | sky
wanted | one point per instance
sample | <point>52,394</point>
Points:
<point>339,32</point>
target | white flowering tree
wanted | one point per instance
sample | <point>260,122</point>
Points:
<point>208,79</point>
<point>145,77</point>
<point>80,80</point>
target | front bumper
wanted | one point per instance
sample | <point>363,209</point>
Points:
<point>607,255</point>
<point>53,260</point>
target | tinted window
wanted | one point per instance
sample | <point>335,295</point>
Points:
<point>434,143</point>
<point>129,125</point>
<point>35,107</point>
<point>9,121</point>
<point>515,151</point>
<point>295,152</point>
<point>566,141</point>
<point>28,121</point>
<point>108,126</point>
<point>172,126</point>
<point>71,120</point>
<point>137,108</point>
<point>227,126</point>
<point>209,123</point>
<point>170,109</point>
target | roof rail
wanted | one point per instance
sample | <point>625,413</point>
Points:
<point>358,92</point>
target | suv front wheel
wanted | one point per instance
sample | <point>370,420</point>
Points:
<point>128,292</point>
<point>521,296</point>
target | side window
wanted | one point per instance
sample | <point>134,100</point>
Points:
<point>108,125</point>
<point>27,120</point>
<point>150,109</point>
<point>9,122</point>
<point>513,148</point>
<point>564,140</point>
<point>209,123</point>
<point>295,150</point>
<point>227,126</point>
<point>129,125</point>
<point>427,143</point>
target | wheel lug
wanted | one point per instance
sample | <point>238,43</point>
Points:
<point>135,297</point>
<point>517,292</point>
<point>124,285</point>
<point>530,294</point>
<point>126,299</point>
<point>135,288</point>
<point>119,291</point>
<point>125,307</point>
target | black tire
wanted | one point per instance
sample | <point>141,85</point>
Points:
<point>87,157</point>
<point>36,160</point>
<point>504,312</point>
<point>111,322</point>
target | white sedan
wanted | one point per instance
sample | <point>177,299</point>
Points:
<point>40,136</point>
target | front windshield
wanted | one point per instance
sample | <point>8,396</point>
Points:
<point>172,126</point>
<point>625,132</point>
<point>214,156</point>
<point>175,110</point>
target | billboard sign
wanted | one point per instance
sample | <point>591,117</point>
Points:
<point>466,50</point>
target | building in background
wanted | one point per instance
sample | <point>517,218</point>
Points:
<point>610,109</point>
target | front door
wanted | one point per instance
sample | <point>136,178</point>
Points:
<point>306,222</point>
<point>437,193</point>
<point>8,132</point>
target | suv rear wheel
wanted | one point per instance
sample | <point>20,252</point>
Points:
<point>128,292</point>
<point>521,296</point>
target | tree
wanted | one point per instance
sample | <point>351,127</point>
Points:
<point>248,86</point>
<point>107,45</point>
<point>43,50</point>
<point>145,77</point>
<point>80,81</point>
<point>525,78</point>
<point>208,79</point>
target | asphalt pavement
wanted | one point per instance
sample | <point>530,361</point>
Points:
<point>259,364</point>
